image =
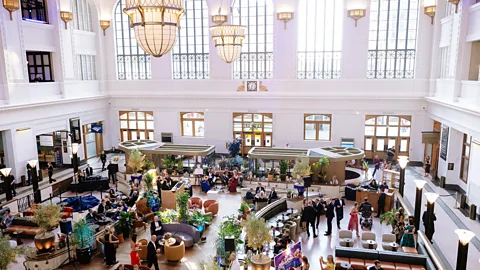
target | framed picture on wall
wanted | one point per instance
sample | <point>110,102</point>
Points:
<point>75,130</point>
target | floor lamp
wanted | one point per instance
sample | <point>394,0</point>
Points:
<point>418,201</point>
<point>8,192</point>
<point>431,198</point>
<point>402,161</point>
<point>464,237</point>
<point>36,193</point>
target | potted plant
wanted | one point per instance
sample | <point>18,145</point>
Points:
<point>46,217</point>
<point>147,165</point>
<point>283,169</point>
<point>289,193</point>
<point>324,162</point>
<point>389,218</point>
<point>126,223</point>
<point>82,238</point>
<point>168,216</point>
<point>117,229</point>
<point>182,205</point>
<point>257,234</point>
<point>9,254</point>
<point>169,163</point>
<point>302,168</point>
<point>365,166</point>
<point>136,162</point>
<point>230,227</point>
<point>199,220</point>
<point>180,165</point>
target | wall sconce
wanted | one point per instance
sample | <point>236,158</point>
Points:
<point>66,16</point>
<point>430,11</point>
<point>219,19</point>
<point>104,24</point>
<point>285,17</point>
<point>454,2</point>
<point>356,14</point>
<point>11,6</point>
<point>22,129</point>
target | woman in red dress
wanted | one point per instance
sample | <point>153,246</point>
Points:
<point>353,222</point>
<point>134,258</point>
<point>233,183</point>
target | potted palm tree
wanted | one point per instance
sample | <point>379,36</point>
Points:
<point>283,169</point>
<point>136,160</point>
<point>125,223</point>
<point>47,218</point>
<point>182,205</point>
<point>257,234</point>
<point>82,238</point>
<point>9,254</point>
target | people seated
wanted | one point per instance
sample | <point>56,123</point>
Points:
<point>259,188</point>
<point>90,217</point>
<point>273,195</point>
<point>373,185</point>
<point>80,176</point>
<point>204,184</point>
<point>156,227</point>
<point>117,212</point>
<point>261,197</point>
<point>7,220</point>
<point>212,178</point>
<point>225,177</point>
<point>103,207</point>
<point>383,186</point>
<point>377,266</point>
<point>366,206</point>
<point>133,198</point>
<point>250,195</point>
<point>285,240</point>
<point>112,195</point>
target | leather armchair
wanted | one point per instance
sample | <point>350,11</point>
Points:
<point>175,253</point>
<point>194,202</point>
<point>211,206</point>
<point>143,210</point>
<point>142,249</point>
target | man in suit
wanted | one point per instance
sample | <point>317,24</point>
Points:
<point>330,213</point>
<point>339,205</point>
<point>90,217</point>
<point>156,227</point>
<point>376,266</point>
<point>131,201</point>
<point>426,224</point>
<point>318,206</point>
<point>112,170</point>
<point>381,203</point>
<point>102,208</point>
<point>152,252</point>
<point>89,170</point>
<point>273,195</point>
<point>310,215</point>
<point>167,183</point>
<point>259,188</point>
<point>103,158</point>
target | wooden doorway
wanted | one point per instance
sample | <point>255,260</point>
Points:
<point>255,130</point>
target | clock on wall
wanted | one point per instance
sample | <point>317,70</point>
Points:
<point>252,86</point>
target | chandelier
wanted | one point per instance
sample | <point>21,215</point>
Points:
<point>228,39</point>
<point>155,23</point>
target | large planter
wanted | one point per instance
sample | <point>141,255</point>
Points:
<point>44,242</point>
<point>258,262</point>
<point>84,255</point>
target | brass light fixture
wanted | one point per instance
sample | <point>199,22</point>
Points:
<point>104,24</point>
<point>219,19</point>
<point>66,16</point>
<point>430,11</point>
<point>11,6</point>
<point>454,2</point>
<point>156,23</point>
<point>285,17</point>
<point>356,14</point>
<point>228,39</point>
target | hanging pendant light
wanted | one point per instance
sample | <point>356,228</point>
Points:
<point>228,39</point>
<point>156,23</point>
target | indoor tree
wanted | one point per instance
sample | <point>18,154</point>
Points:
<point>136,160</point>
<point>182,205</point>
<point>257,234</point>
<point>302,167</point>
<point>9,254</point>
<point>46,217</point>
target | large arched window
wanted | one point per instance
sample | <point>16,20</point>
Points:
<point>132,62</point>
<point>320,39</point>
<point>190,53</point>
<point>256,59</point>
<point>82,15</point>
<point>392,42</point>
<point>135,125</point>
<point>318,127</point>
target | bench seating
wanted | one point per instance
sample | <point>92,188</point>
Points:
<point>24,224</point>
<point>188,233</point>
<point>272,209</point>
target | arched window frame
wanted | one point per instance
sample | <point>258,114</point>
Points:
<point>391,49</point>
<point>320,29</point>
<point>132,62</point>
<point>193,124</point>
<point>256,58</point>
<point>190,55</point>
<point>82,15</point>
<point>323,121</point>
<point>136,125</point>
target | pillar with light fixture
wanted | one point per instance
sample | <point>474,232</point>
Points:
<point>36,192</point>
<point>454,2</point>
<point>402,161</point>
<point>8,192</point>
<point>356,14</point>
<point>285,17</point>
<point>66,16</point>
<point>104,24</point>
<point>418,201</point>
<point>464,237</point>
<point>74,157</point>
<point>431,198</point>
<point>11,6</point>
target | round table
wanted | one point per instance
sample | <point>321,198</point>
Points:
<point>103,222</point>
<point>292,211</point>
<point>345,265</point>
<point>19,239</point>
<point>348,242</point>
<point>277,233</point>
<point>283,218</point>
<point>300,189</point>
<point>394,246</point>
<point>371,244</point>
<point>276,224</point>
<point>110,213</point>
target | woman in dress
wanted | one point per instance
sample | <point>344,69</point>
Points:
<point>427,166</point>
<point>233,183</point>
<point>399,227</point>
<point>110,252</point>
<point>407,239</point>
<point>134,258</point>
<point>305,263</point>
<point>303,217</point>
<point>353,222</point>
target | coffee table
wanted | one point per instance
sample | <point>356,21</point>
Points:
<point>371,244</point>
<point>345,265</point>
<point>19,239</point>
<point>394,246</point>
<point>348,242</point>
<point>276,224</point>
<point>103,222</point>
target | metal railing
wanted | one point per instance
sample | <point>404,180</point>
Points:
<point>432,253</point>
